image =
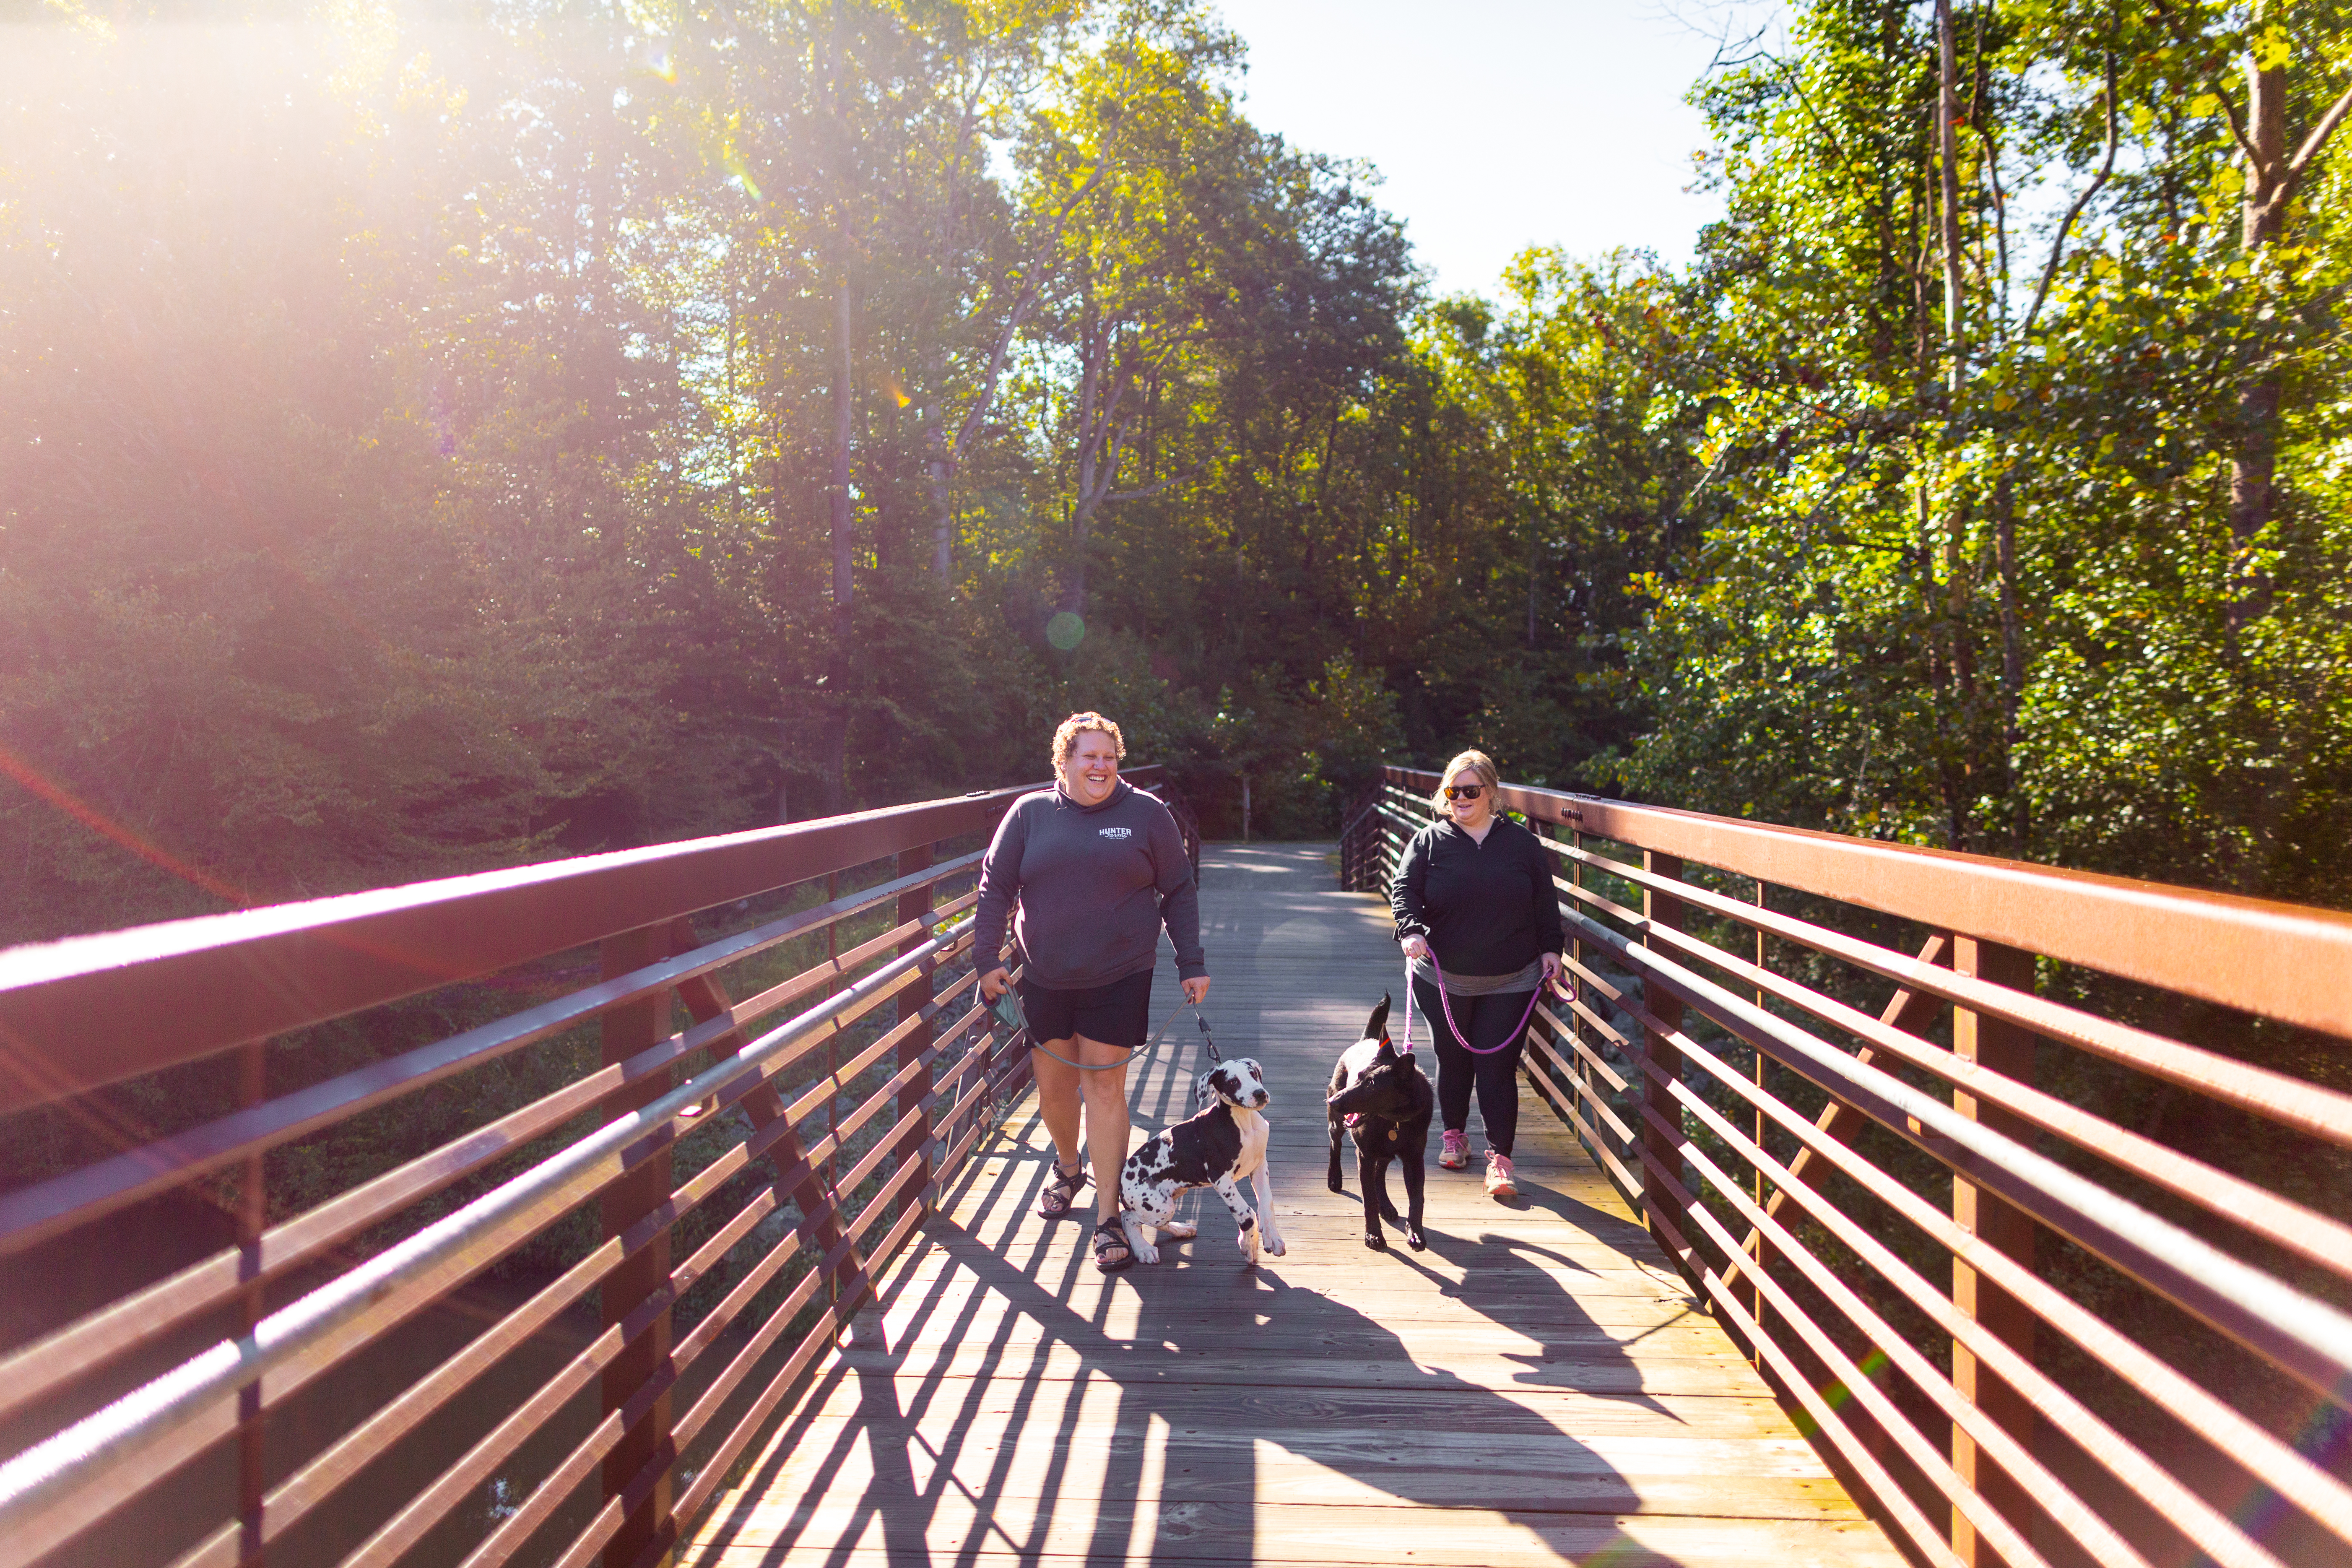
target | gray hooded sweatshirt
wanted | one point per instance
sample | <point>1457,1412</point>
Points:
<point>1093,885</point>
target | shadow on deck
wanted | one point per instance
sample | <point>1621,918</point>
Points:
<point>1537,1387</point>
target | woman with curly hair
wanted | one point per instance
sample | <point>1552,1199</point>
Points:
<point>1089,870</point>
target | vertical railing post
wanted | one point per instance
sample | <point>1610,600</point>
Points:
<point>1662,910</point>
<point>1756,1306</point>
<point>252,1219</point>
<point>626,1030</point>
<point>2009,1050</point>
<point>1576,954</point>
<point>915,904</point>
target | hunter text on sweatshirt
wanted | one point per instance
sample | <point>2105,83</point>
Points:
<point>1093,886</point>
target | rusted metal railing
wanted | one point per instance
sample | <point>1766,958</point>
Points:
<point>782,1212</point>
<point>2052,1260</point>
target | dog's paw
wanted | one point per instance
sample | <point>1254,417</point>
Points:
<point>1413,1239</point>
<point>1144,1253</point>
<point>1275,1246</point>
<point>1335,1184</point>
<point>1376,1241</point>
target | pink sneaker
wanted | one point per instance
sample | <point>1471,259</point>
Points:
<point>1499,1183</point>
<point>1455,1152</point>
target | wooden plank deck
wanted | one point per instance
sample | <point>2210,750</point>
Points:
<point>1537,1387</point>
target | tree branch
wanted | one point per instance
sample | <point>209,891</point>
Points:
<point>2058,244</point>
<point>2220,90</point>
<point>1030,291</point>
<point>1153,490</point>
<point>2313,143</point>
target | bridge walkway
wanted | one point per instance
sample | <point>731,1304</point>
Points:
<point>1537,1387</point>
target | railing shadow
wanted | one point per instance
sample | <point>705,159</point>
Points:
<point>1024,1407</point>
<point>1159,1486</point>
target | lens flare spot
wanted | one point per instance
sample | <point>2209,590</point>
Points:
<point>1066,631</point>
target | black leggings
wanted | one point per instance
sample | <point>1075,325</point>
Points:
<point>1485,1019</point>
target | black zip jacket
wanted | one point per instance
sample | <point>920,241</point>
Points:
<point>1486,908</point>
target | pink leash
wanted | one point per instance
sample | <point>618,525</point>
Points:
<point>1446,1003</point>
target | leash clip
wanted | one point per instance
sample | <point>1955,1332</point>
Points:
<point>1207,1038</point>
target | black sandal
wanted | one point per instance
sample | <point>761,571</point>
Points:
<point>1061,1191</point>
<point>1111,1237</point>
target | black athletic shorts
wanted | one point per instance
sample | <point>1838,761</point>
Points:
<point>1119,1013</point>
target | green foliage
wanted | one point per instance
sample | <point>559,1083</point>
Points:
<point>1971,570</point>
<point>449,435</point>
<point>604,427</point>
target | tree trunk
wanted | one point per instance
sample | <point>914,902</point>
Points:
<point>844,585</point>
<point>2253,494</point>
<point>1948,110</point>
<point>2012,655</point>
<point>941,469</point>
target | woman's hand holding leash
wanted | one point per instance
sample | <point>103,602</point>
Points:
<point>993,984</point>
<point>1196,990</point>
<point>1417,947</point>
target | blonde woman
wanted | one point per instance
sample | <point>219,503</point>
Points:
<point>1095,868</point>
<point>1473,898</point>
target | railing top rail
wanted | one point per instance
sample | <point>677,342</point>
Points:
<point>2287,961</point>
<point>93,1010</point>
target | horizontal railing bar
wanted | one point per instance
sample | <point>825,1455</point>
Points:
<point>593,1540</point>
<point>32,1215</point>
<point>2277,1219</point>
<point>1600,1146</point>
<point>293,1497</point>
<point>31,1373</point>
<point>716,1321</point>
<point>730,1378</point>
<point>2287,961</point>
<point>705,1483</point>
<point>588,1546</point>
<point>1925,1538</point>
<point>2274,1096</point>
<point>1609,1075</point>
<point>133,1002</point>
<point>2206,1526</point>
<point>2005,1537</point>
<point>424,1508</point>
<point>689,1425</point>
<point>518,1528</point>
<point>665,1377</point>
<point>40,1488</point>
<point>2301,1335</point>
<point>1568,1072</point>
<point>588,1361</point>
<point>2327,1500</point>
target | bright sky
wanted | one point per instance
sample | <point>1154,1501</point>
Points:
<point>1500,125</point>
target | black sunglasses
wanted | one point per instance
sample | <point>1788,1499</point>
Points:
<point>1463,792</point>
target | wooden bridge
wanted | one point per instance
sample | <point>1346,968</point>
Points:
<point>1539,1383</point>
<point>1897,1205</point>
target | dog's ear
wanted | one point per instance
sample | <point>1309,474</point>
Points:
<point>1376,1027</point>
<point>1226,1083</point>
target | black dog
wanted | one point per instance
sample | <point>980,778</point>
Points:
<point>1385,1102</point>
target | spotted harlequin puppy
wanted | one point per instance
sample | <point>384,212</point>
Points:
<point>1221,1146</point>
<point>1383,1100</point>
